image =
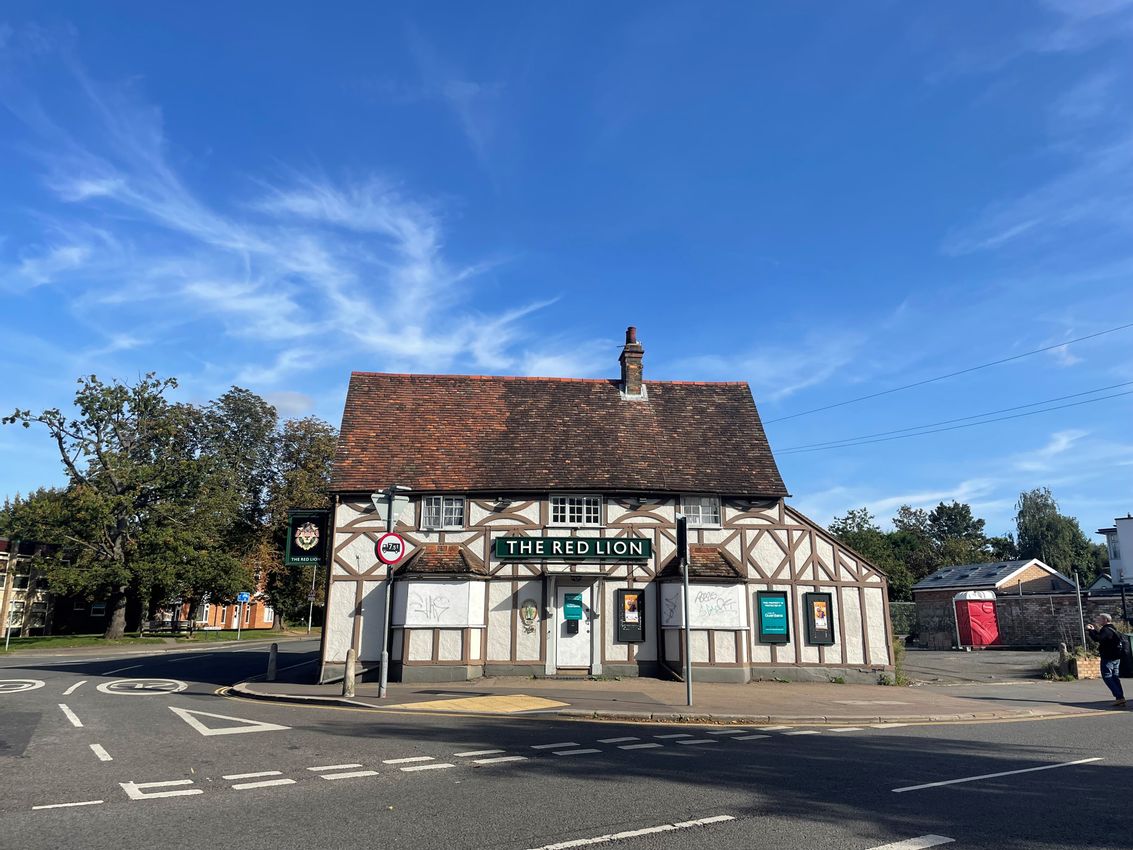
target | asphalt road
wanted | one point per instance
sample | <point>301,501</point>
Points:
<point>299,776</point>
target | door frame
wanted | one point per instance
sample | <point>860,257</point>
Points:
<point>555,583</point>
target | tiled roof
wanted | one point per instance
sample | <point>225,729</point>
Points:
<point>976,575</point>
<point>471,433</point>
<point>705,562</point>
<point>440,558</point>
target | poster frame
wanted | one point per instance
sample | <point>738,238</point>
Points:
<point>630,632</point>
<point>772,637</point>
<point>815,636</point>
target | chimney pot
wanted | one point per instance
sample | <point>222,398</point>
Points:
<point>631,357</point>
<point>631,334</point>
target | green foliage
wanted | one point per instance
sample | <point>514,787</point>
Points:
<point>1057,540</point>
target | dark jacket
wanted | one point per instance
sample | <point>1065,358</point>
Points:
<point>1109,642</point>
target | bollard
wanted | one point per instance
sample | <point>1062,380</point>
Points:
<point>348,674</point>
<point>272,654</point>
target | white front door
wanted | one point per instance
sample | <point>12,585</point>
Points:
<point>573,644</point>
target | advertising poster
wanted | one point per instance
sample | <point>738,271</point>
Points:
<point>819,618</point>
<point>630,607</point>
<point>774,620</point>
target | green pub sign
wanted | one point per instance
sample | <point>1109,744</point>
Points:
<point>573,548</point>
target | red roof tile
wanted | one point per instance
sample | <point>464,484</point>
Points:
<point>460,433</point>
<point>440,558</point>
<point>705,562</point>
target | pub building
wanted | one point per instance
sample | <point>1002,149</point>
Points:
<point>537,523</point>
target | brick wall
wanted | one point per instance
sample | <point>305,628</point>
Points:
<point>1035,620</point>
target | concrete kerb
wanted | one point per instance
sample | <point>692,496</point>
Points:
<point>672,718</point>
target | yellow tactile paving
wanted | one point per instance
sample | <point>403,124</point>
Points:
<point>510,704</point>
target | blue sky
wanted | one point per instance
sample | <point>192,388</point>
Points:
<point>825,200</point>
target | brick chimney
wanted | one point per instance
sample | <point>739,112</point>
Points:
<point>630,359</point>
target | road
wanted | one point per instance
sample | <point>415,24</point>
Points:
<point>104,754</point>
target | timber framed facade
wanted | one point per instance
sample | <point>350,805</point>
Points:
<point>459,611</point>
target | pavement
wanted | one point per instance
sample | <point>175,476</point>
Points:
<point>652,700</point>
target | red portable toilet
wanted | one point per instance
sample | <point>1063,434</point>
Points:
<point>976,621</point>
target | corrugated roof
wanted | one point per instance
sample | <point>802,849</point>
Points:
<point>460,433</point>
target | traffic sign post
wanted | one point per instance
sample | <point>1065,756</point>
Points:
<point>242,598</point>
<point>682,555</point>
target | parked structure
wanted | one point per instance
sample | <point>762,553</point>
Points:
<point>538,535</point>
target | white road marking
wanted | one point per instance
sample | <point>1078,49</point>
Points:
<point>639,746</point>
<point>15,686</point>
<point>253,775</point>
<point>552,746</point>
<point>121,669</point>
<point>352,774</point>
<point>471,753</point>
<point>190,717</point>
<point>847,729</point>
<point>700,741</point>
<point>803,732</point>
<point>750,737</point>
<point>887,725</point>
<point>143,687</point>
<point>74,718</point>
<point>66,805</point>
<point>727,731</point>
<point>409,760</point>
<point>427,767</point>
<point>677,735</point>
<point>617,740</point>
<point>575,752</point>
<point>267,783</point>
<point>101,752</point>
<point>191,657</point>
<point>994,775</point>
<point>74,688</point>
<point>774,728</point>
<point>916,843</point>
<point>334,767</point>
<point>500,759</point>
<point>137,790</point>
<point>636,833</point>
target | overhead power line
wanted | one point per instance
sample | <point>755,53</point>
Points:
<point>800,450</point>
<point>836,443</point>
<point>949,375</point>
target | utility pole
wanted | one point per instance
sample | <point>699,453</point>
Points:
<point>682,555</point>
<point>1081,616</point>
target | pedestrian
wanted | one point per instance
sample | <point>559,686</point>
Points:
<point>1110,646</point>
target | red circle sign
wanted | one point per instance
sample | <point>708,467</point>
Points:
<point>391,548</point>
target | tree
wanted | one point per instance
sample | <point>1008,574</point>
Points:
<point>858,530</point>
<point>1043,532</point>
<point>957,535</point>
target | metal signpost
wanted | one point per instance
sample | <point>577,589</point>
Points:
<point>243,597</point>
<point>389,504</point>
<point>682,554</point>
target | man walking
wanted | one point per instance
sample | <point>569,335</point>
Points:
<point>1110,646</point>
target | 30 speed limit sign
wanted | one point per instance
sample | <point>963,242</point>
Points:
<point>391,548</point>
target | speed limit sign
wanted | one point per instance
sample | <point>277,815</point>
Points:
<point>391,548</point>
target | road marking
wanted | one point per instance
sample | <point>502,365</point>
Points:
<point>916,843</point>
<point>677,735</point>
<point>101,752</point>
<point>137,790</point>
<point>334,767</point>
<point>190,717</point>
<point>727,732</point>
<point>267,783</point>
<point>575,752</point>
<point>253,775</point>
<point>700,741</point>
<point>74,688</point>
<point>636,833</point>
<point>994,775</point>
<point>15,686</point>
<point>887,725</point>
<point>121,669</point>
<point>639,746</point>
<point>552,746</point>
<point>803,732</point>
<point>143,687</point>
<point>427,767</point>
<point>409,760</point>
<point>870,702</point>
<point>74,718</point>
<point>617,740</point>
<point>66,805</point>
<point>774,728</point>
<point>353,774</point>
<point>472,753</point>
<point>501,759</point>
<point>191,657</point>
<point>750,737</point>
<point>847,729</point>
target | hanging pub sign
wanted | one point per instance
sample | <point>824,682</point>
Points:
<point>819,618</point>
<point>573,548</point>
<point>306,537</point>
<point>774,622</point>
<point>630,608</point>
